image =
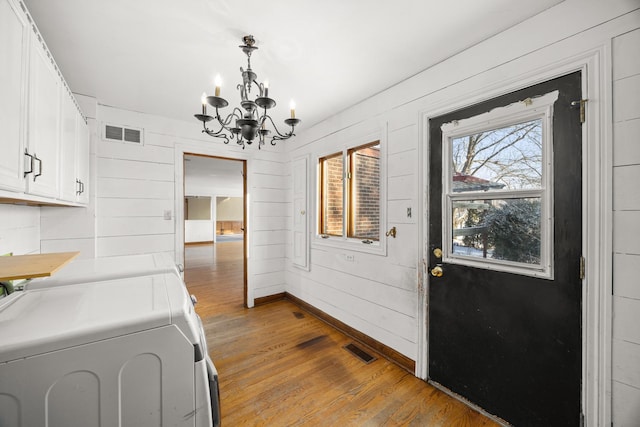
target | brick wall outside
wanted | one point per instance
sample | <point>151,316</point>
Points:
<point>333,202</point>
<point>366,193</point>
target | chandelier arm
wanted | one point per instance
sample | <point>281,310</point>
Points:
<point>227,121</point>
<point>280,136</point>
<point>218,134</point>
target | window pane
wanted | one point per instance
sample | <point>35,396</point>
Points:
<point>332,173</point>
<point>508,158</point>
<point>502,229</point>
<point>364,208</point>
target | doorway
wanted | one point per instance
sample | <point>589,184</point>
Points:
<point>505,296</point>
<point>214,227</point>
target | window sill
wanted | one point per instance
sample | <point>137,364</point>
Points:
<point>375,248</point>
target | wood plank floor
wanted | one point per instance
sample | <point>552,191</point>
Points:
<point>280,366</point>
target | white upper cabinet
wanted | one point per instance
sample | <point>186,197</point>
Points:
<point>43,141</point>
<point>68,145</point>
<point>83,159</point>
<point>14,35</point>
<point>43,134</point>
<point>74,154</point>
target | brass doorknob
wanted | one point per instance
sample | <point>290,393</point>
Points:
<point>437,271</point>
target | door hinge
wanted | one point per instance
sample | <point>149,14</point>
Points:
<point>582,103</point>
<point>582,267</point>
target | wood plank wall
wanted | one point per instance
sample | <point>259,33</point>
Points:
<point>270,213</point>
<point>360,293</point>
<point>135,185</point>
<point>626,226</point>
<point>19,229</point>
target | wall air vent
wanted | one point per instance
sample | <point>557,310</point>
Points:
<point>122,134</point>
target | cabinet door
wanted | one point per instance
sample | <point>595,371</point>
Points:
<point>14,34</point>
<point>44,122</point>
<point>83,159</point>
<point>69,185</point>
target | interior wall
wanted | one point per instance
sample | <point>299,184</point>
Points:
<point>626,240</point>
<point>138,184</point>
<point>381,295</point>
<point>199,208</point>
<point>19,229</point>
<point>229,208</point>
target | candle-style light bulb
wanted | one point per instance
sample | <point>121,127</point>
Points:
<point>266,88</point>
<point>203,99</point>
<point>218,82</point>
<point>292,106</point>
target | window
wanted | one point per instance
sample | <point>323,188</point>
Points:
<point>497,189</point>
<point>349,194</point>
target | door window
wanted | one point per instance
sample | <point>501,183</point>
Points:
<point>497,180</point>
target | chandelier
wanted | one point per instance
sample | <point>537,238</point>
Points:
<point>249,123</point>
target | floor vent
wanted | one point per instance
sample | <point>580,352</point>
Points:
<point>359,353</point>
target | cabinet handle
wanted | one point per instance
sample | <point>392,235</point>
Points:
<point>78,188</point>
<point>26,153</point>
<point>39,169</point>
<point>81,187</point>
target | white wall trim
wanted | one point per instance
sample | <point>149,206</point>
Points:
<point>597,214</point>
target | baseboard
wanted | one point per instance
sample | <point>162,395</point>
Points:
<point>386,351</point>
<point>268,299</point>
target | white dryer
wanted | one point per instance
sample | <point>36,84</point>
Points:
<point>124,352</point>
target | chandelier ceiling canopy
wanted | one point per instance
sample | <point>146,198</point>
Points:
<point>250,122</point>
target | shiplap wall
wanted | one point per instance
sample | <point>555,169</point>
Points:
<point>19,229</point>
<point>269,182</point>
<point>372,293</point>
<point>136,184</point>
<point>363,293</point>
<point>626,241</point>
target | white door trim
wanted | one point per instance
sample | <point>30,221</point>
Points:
<point>595,65</point>
<point>181,149</point>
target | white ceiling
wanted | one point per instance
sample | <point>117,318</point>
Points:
<point>212,176</point>
<point>158,56</point>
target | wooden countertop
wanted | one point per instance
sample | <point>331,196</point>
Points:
<point>30,266</point>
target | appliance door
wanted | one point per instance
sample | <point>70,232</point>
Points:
<point>214,392</point>
<point>207,398</point>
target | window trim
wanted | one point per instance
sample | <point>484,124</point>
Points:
<point>378,247</point>
<point>530,109</point>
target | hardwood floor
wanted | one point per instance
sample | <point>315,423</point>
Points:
<point>280,366</point>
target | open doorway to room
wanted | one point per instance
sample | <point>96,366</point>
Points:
<point>214,228</point>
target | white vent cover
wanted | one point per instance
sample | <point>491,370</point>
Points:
<point>122,134</point>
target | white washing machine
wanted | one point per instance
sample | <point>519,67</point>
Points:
<point>124,352</point>
<point>99,269</point>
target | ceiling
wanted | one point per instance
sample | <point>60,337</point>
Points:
<point>158,56</point>
<point>209,175</point>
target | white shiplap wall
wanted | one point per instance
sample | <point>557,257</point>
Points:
<point>136,184</point>
<point>134,188</point>
<point>363,293</point>
<point>19,229</point>
<point>269,184</point>
<point>626,241</point>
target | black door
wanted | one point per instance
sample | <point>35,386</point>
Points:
<point>504,303</point>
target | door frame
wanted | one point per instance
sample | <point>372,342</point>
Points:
<point>197,150</point>
<point>596,214</point>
